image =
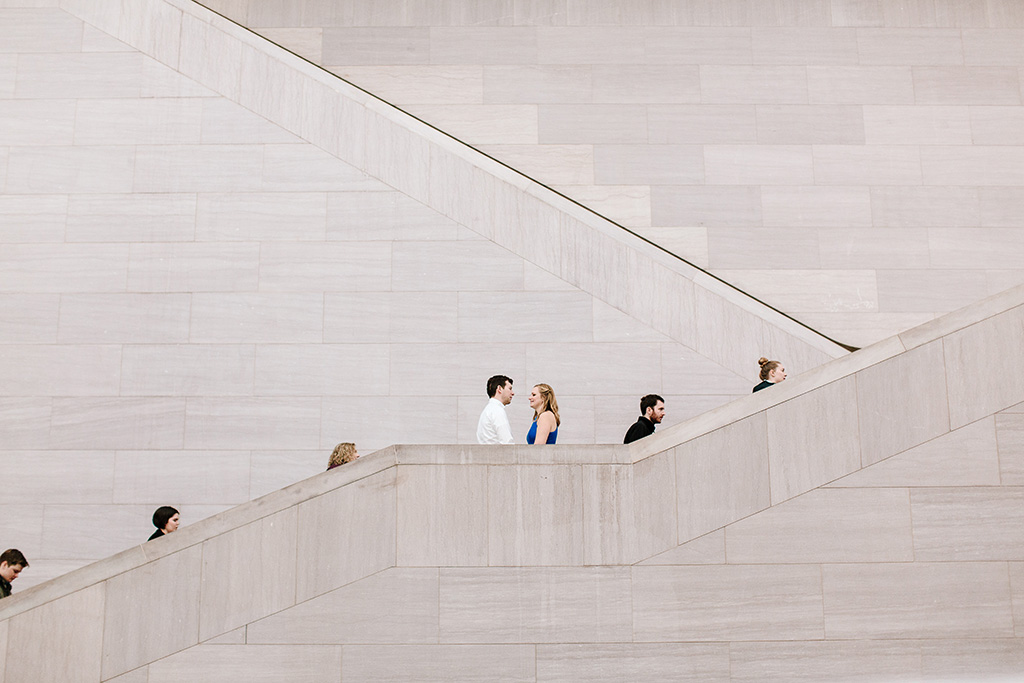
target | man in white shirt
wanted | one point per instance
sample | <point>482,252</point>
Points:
<point>493,426</point>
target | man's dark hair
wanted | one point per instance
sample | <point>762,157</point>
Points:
<point>162,515</point>
<point>12,556</point>
<point>495,383</point>
<point>649,401</point>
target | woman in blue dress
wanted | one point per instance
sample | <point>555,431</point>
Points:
<point>545,415</point>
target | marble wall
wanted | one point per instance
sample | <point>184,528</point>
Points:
<point>856,164</point>
<point>674,558</point>
<point>197,303</point>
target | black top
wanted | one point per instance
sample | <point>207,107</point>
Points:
<point>5,587</point>
<point>641,428</point>
<point>763,385</point>
<point>156,534</point>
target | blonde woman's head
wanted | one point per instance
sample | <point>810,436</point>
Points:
<point>343,453</point>
<point>542,398</point>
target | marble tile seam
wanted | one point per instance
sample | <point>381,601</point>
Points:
<point>249,39</point>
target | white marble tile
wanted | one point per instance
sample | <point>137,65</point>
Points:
<point>28,318</point>
<point>198,168</point>
<point>866,164</point>
<point>758,602</point>
<point>995,658</point>
<point>626,204</point>
<point>306,42</point>
<point>860,85</point>
<point>464,663</point>
<point>123,318</point>
<point>758,165</point>
<point>963,457</point>
<point>397,605</point>
<point>58,641</point>
<point>260,554</point>
<point>592,368</point>
<point>156,121</point>
<point>22,527</point>
<point>482,123</point>
<point>483,45</point>
<point>753,84</point>
<point>210,56</point>
<point>187,370</point>
<point>26,421</point>
<point>813,439</point>
<point>648,164</point>
<point>986,85</point>
<point>918,125</point>
<point>540,605</point>
<point>965,524</point>
<point>82,75</point>
<point>633,661</point>
<point>818,46</point>
<point>384,216</point>
<point>223,423</point>
<point>916,600</point>
<point>985,47</point>
<point>305,168</point>
<point>810,124</point>
<point>59,370</point>
<point>474,266</point>
<point>37,122</point>
<point>26,29</point>
<point>263,317</point>
<point>926,206</point>
<point>322,370</point>
<point>827,525</point>
<point>95,40</point>
<point>61,267</point>
<point>418,83</point>
<point>117,423</point>
<point>892,415</point>
<point>559,164</point>
<point>537,84</point>
<point>49,170</point>
<point>909,46</point>
<point>726,333</point>
<point>733,248</point>
<point>590,45</point>
<point>224,122</point>
<point>317,266</point>
<point>433,531</point>
<point>525,316</point>
<point>269,216</point>
<point>985,374</point>
<point>160,81</point>
<point>423,419</point>
<point>877,660</point>
<point>170,587</point>
<point>131,217</point>
<point>591,124</point>
<point>816,207</point>
<point>861,249</point>
<point>725,206</point>
<point>721,477</point>
<point>71,477</point>
<point>706,549</point>
<point>275,469</point>
<point>346,535</point>
<point>225,663</point>
<point>535,516</point>
<point>704,45</point>
<point>186,477</point>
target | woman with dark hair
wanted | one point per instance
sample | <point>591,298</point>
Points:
<point>545,415</point>
<point>771,373</point>
<point>166,520</point>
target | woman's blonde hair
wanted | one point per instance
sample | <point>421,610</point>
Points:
<point>548,394</point>
<point>343,453</point>
<point>767,366</point>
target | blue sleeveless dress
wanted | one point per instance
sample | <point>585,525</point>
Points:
<point>531,436</point>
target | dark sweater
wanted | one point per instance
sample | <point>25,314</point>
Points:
<point>763,385</point>
<point>641,428</point>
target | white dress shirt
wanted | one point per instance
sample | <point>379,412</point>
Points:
<point>493,426</point>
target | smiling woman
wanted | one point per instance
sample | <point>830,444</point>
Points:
<point>545,415</point>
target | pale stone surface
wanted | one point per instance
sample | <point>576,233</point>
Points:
<point>967,524</point>
<point>633,661</point>
<point>461,663</point>
<point>223,663</point>
<point>433,532</point>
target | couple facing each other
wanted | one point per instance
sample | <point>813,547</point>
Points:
<point>493,426</point>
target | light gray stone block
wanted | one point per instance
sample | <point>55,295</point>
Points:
<point>1010,439</point>
<point>648,164</point>
<point>38,122</point>
<point>722,206</point>
<point>966,85</point>
<point>227,423</point>
<point>398,605</point>
<point>123,318</point>
<point>223,663</point>
<point>26,421</point>
<point>721,477</point>
<point>198,168</point>
<point>78,477</point>
<point>33,218</point>
<point>753,84</point>
<point>701,124</point>
<point>539,605</point>
<point>919,599</point>
<point>131,218</point>
<point>264,217</point>
<point>966,524</point>
<point>926,206</point>
<point>802,46</point>
<point>432,531</point>
<point>860,85</point>
<point>863,165</point>
<point>462,663</point>
<point>633,661</point>
<point>138,121</point>
<point>375,45</point>
<point>704,45</point>
<point>861,249</point>
<point>813,439</point>
<point>51,170</point>
<point>837,525</point>
<point>59,370</point>
<point>360,515</point>
<point>83,75</point>
<point>919,125</point>
<point>117,423</point>
<point>827,659</point>
<point>585,44</point>
<point>248,573</point>
<point>723,603</point>
<point>28,268</point>
<point>909,46</point>
<point>224,122</point>
<point>252,317</point>
<point>809,206</point>
<point>59,641</point>
<point>537,84</point>
<point>197,478</point>
<point>170,587</point>
<point>526,316</point>
<point>187,370</point>
<point>591,124</point>
<point>485,45</point>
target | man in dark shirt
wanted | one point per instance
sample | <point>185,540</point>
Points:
<point>11,564</point>
<point>652,411</point>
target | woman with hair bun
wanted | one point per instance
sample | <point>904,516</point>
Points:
<point>772,372</point>
<point>545,415</point>
<point>166,520</point>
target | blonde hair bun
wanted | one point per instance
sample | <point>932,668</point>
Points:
<point>762,361</point>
